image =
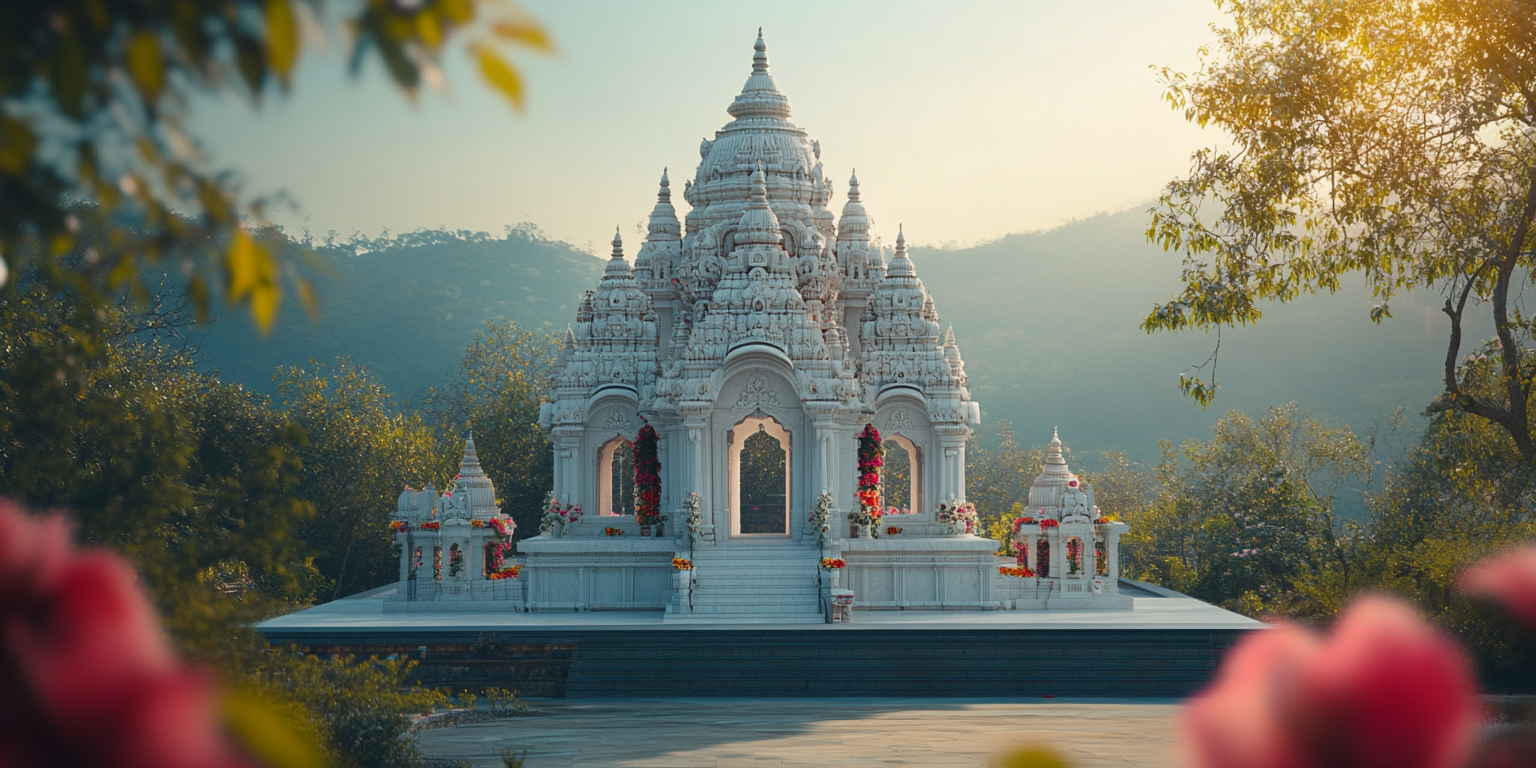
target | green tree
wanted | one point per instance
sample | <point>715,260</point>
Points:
<point>506,372</point>
<point>1248,513</point>
<point>1457,494</point>
<point>361,448</point>
<point>999,472</point>
<point>1387,139</point>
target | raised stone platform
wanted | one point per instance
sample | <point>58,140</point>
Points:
<point>1169,645</point>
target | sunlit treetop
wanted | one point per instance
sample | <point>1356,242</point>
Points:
<point>1389,139</point>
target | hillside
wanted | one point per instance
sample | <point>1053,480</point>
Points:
<point>1047,321</point>
<point>406,306</point>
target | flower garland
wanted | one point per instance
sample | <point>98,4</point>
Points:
<point>892,531</point>
<point>682,564</point>
<point>431,525</point>
<point>691,517</point>
<point>1049,523</point>
<point>647,478</point>
<point>613,531</point>
<point>437,563</point>
<point>509,572</point>
<point>558,516</point>
<point>501,541</point>
<point>820,519</point>
<point>960,515</point>
<point>1074,556</point>
<point>871,459</point>
<point>1023,573</point>
<point>397,526</point>
<point>477,523</point>
<point>833,563</point>
<point>1020,522</point>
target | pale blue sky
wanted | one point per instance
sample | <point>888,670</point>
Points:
<point>967,121</point>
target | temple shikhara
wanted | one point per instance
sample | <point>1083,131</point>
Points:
<point>761,415</point>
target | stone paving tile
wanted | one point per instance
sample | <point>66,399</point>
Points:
<point>748,733</point>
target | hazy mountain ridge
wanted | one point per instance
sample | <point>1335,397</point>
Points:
<point>1047,322</point>
<point>406,306</point>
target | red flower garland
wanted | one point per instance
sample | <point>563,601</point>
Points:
<point>647,478</point>
<point>871,459</point>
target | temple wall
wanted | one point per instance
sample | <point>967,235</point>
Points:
<point>952,573</point>
<point>619,573</point>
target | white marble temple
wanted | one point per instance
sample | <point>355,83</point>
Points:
<point>762,316</point>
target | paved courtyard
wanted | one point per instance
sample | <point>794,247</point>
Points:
<point>806,732</point>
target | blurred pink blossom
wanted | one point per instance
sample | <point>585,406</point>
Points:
<point>1382,690</point>
<point>1508,577</point>
<point>87,677</point>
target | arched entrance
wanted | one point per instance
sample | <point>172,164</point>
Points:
<point>758,464</point>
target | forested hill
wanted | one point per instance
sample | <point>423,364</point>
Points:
<point>1047,322</point>
<point>405,306</point>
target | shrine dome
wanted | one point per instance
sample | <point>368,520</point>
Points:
<point>1054,480</point>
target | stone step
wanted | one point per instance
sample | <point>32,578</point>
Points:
<point>743,618</point>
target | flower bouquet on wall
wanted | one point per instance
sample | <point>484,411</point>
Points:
<point>960,516</point>
<point>691,517</point>
<point>871,459</point>
<point>1074,557</point>
<point>647,481</point>
<point>558,517</point>
<point>821,519</point>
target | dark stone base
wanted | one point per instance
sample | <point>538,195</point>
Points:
<point>789,662</point>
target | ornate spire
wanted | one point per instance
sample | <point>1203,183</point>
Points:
<point>758,225</point>
<point>470,465</point>
<point>900,265</point>
<point>1053,451</point>
<point>617,266</point>
<point>760,97</point>
<point>853,187</point>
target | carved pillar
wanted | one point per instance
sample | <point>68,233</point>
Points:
<point>407,542</point>
<point>694,471</point>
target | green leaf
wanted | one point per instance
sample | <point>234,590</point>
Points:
<point>145,65</point>
<point>501,75</point>
<point>282,38</point>
<point>253,277</point>
<point>264,732</point>
<point>525,33</point>
<point>17,143</point>
<point>1030,757</point>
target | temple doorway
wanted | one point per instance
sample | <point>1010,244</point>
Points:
<point>759,466</point>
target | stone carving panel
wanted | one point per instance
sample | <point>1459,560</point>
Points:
<point>618,421</point>
<point>757,392</point>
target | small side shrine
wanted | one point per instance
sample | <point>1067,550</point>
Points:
<point>453,546</point>
<point>1068,552</point>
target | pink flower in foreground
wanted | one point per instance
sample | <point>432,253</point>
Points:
<point>1510,578</point>
<point>1383,690</point>
<point>87,677</point>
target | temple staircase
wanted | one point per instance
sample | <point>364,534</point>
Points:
<point>775,582</point>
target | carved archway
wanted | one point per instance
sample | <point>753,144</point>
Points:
<point>616,477</point>
<point>767,444</point>
<point>902,476</point>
